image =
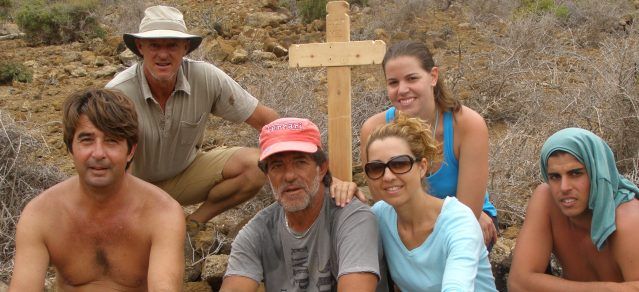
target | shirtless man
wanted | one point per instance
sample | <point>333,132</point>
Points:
<point>103,229</point>
<point>586,214</point>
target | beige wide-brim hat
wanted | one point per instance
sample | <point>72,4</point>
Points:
<point>162,22</point>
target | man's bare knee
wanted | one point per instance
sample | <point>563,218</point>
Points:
<point>242,169</point>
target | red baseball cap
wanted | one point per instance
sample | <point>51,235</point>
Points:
<point>289,134</point>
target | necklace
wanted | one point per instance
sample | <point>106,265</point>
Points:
<point>297,235</point>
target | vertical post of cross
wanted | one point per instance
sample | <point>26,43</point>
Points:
<point>338,53</point>
<point>338,29</point>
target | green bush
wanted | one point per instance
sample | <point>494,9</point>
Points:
<point>312,9</point>
<point>539,7</point>
<point>5,6</point>
<point>59,21</point>
<point>316,9</point>
<point>10,71</point>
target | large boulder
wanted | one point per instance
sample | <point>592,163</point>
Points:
<point>106,71</point>
<point>263,56</point>
<point>239,56</point>
<point>9,28</point>
<point>264,19</point>
<point>214,269</point>
<point>128,58</point>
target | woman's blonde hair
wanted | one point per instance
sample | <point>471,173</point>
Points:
<point>415,131</point>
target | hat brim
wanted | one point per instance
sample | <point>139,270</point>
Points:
<point>129,39</point>
<point>279,147</point>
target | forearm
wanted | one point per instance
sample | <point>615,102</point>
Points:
<point>168,284</point>
<point>261,116</point>
<point>549,283</point>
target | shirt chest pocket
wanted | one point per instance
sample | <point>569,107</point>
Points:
<point>190,133</point>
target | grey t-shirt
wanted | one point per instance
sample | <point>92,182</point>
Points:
<point>341,241</point>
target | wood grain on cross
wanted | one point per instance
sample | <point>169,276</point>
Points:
<point>338,53</point>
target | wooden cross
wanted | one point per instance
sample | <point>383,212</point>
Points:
<point>338,53</point>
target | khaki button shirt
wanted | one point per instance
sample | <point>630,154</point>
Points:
<point>169,140</point>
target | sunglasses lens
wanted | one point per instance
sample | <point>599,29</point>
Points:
<point>401,164</point>
<point>374,169</point>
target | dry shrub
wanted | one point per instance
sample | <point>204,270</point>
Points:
<point>394,17</point>
<point>123,16</point>
<point>21,178</point>
<point>539,78</point>
<point>489,11</point>
<point>592,21</point>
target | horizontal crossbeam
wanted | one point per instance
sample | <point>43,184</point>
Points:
<point>333,54</point>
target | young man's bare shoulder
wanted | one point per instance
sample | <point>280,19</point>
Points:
<point>542,194</point>
<point>627,216</point>
<point>541,202</point>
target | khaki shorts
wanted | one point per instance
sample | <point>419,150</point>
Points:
<point>192,185</point>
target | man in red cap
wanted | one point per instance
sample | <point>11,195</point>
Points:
<point>304,242</point>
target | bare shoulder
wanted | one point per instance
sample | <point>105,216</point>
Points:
<point>156,200</point>
<point>624,240</point>
<point>540,200</point>
<point>40,215</point>
<point>627,217</point>
<point>373,122</point>
<point>52,199</point>
<point>469,121</point>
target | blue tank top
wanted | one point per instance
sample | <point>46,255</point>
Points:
<point>443,182</point>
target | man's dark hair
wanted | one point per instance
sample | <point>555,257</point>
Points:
<point>109,110</point>
<point>319,157</point>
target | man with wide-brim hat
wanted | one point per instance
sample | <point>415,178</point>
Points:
<point>174,97</point>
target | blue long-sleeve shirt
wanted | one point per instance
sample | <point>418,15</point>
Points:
<point>452,258</point>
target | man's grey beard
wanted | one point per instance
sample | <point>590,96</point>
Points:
<point>312,192</point>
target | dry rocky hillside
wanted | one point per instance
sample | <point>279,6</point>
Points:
<point>528,70</point>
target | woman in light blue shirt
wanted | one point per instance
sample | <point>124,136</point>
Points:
<point>430,244</point>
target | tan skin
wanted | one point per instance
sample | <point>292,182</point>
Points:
<point>411,90</point>
<point>241,177</point>
<point>558,221</point>
<point>102,230</point>
<point>416,210</point>
<point>291,175</point>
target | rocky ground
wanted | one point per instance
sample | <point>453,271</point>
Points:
<point>249,39</point>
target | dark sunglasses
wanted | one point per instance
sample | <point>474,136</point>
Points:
<point>398,165</point>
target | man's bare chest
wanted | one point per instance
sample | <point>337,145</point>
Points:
<point>579,258</point>
<point>84,252</point>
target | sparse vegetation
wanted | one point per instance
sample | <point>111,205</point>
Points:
<point>11,70</point>
<point>21,178</point>
<point>5,7</point>
<point>540,7</point>
<point>60,21</point>
<point>312,9</point>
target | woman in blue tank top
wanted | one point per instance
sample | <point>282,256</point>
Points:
<point>415,87</point>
